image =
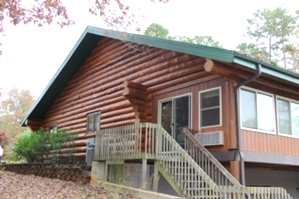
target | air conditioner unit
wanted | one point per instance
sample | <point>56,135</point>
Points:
<point>90,147</point>
<point>210,138</point>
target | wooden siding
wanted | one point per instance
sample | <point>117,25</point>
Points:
<point>99,85</point>
<point>228,106</point>
<point>269,143</point>
<point>100,82</point>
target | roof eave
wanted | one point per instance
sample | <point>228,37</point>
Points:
<point>267,68</point>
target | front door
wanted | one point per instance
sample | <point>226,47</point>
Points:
<point>175,115</point>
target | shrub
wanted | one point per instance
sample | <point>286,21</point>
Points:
<point>35,146</point>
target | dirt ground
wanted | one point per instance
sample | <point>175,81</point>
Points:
<point>17,186</point>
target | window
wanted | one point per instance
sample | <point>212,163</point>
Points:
<point>174,115</point>
<point>53,128</point>
<point>257,110</point>
<point>210,111</point>
<point>93,122</point>
<point>288,117</point>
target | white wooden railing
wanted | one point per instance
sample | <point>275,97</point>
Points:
<point>240,192</point>
<point>188,175</point>
<point>219,174</point>
<point>134,141</point>
<point>198,177</point>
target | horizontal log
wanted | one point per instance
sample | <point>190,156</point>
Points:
<point>177,81</point>
<point>103,100</point>
<point>85,136</point>
<point>140,104</point>
<point>136,75</point>
<point>120,69</point>
<point>101,51</point>
<point>135,85</point>
<point>116,124</point>
<point>91,107</point>
<point>117,112</point>
<point>172,76</point>
<point>79,155</point>
<point>33,122</point>
<point>127,69</point>
<point>119,118</point>
<point>212,67</point>
<point>134,93</point>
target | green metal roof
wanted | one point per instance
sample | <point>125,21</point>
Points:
<point>92,35</point>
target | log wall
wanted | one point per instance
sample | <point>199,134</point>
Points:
<point>99,85</point>
<point>116,73</point>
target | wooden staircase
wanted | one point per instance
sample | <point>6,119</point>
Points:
<point>193,171</point>
<point>184,174</point>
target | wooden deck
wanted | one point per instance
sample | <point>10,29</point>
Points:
<point>192,172</point>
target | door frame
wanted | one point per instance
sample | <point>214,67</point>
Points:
<point>171,99</point>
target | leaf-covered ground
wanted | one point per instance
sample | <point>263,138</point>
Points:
<point>17,186</point>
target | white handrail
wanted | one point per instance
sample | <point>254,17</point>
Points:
<point>146,140</point>
<point>219,174</point>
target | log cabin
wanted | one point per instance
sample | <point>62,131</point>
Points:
<point>174,117</point>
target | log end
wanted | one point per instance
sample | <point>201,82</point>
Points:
<point>208,66</point>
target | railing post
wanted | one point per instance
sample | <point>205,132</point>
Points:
<point>143,173</point>
<point>155,178</point>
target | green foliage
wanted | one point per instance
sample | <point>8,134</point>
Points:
<point>35,146</point>
<point>12,110</point>
<point>156,30</point>
<point>270,32</point>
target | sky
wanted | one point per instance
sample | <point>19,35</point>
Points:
<point>32,55</point>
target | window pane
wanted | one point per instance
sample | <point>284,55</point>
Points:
<point>210,99</point>
<point>90,123</point>
<point>284,117</point>
<point>181,118</point>
<point>166,116</point>
<point>210,117</point>
<point>53,129</point>
<point>248,108</point>
<point>265,112</point>
<point>182,112</point>
<point>295,118</point>
<point>97,122</point>
<point>210,108</point>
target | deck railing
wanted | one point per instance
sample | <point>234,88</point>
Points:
<point>188,175</point>
<point>219,174</point>
<point>134,141</point>
<point>188,168</point>
<point>238,192</point>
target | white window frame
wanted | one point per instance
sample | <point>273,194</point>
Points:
<point>277,118</point>
<point>93,114</point>
<point>220,107</point>
<point>53,127</point>
<point>256,91</point>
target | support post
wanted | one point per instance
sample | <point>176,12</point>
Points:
<point>235,170</point>
<point>98,172</point>
<point>143,173</point>
<point>155,179</point>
